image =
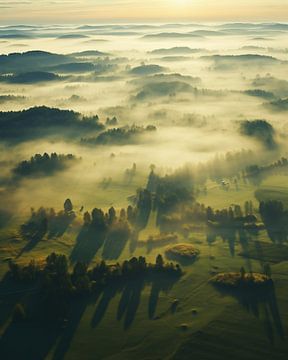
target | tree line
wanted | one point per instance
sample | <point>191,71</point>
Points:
<point>118,135</point>
<point>43,164</point>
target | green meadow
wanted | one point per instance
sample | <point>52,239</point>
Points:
<point>207,324</point>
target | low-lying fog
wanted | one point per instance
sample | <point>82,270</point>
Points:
<point>195,84</point>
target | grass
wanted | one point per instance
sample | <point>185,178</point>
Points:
<point>154,339</point>
<point>151,230</point>
<point>217,326</point>
<point>266,252</point>
<point>273,188</point>
<point>234,334</point>
<point>219,198</point>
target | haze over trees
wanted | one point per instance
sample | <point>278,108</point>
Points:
<point>122,135</point>
<point>41,165</point>
<point>260,130</point>
<point>39,122</point>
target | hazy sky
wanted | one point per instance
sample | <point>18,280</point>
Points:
<point>92,10</point>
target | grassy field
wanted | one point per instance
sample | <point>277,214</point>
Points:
<point>136,322</point>
<point>219,198</point>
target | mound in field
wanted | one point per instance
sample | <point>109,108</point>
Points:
<point>235,280</point>
<point>182,252</point>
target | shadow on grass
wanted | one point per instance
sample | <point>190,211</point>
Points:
<point>47,331</point>
<point>113,247</point>
<point>76,312</point>
<point>31,338</point>
<point>39,225</point>
<point>255,300</point>
<point>40,335</point>
<point>28,341</point>
<point>33,233</point>
<point>130,301</point>
<point>9,297</point>
<point>59,223</point>
<point>226,234</point>
<point>134,241</point>
<point>102,306</point>
<point>158,283</point>
<point>88,242</point>
<point>244,243</point>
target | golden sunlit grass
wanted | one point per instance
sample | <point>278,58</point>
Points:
<point>236,279</point>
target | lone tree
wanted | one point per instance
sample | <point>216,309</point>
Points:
<point>68,207</point>
<point>242,272</point>
<point>87,218</point>
<point>112,215</point>
<point>98,219</point>
<point>267,270</point>
<point>159,261</point>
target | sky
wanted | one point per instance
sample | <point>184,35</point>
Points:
<point>79,11</point>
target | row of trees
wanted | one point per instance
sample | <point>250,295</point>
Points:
<point>54,277</point>
<point>47,221</point>
<point>255,173</point>
<point>197,213</point>
<point>232,214</point>
<point>119,135</point>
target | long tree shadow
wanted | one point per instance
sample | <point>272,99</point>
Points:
<point>50,324</point>
<point>107,295</point>
<point>76,312</point>
<point>268,325</point>
<point>88,242</point>
<point>37,334</point>
<point>32,232</point>
<point>276,232</point>
<point>159,283</point>
<point>114,245</point>
<point>28,341</point>
<point>230,236</point>
<point>244,243</point>
<point>42,223</point>
<point>275,219</point>
<point>227,234</point>
<point>31,338</point>
<point>253,300</point>
<point>59,223</point>
<point>8,298</point>
<point>131,298</point>
<point>274,310</point>
<point>134,240</point>
<point>130,301</point>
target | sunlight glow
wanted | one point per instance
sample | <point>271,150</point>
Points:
<point>206,10</point>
